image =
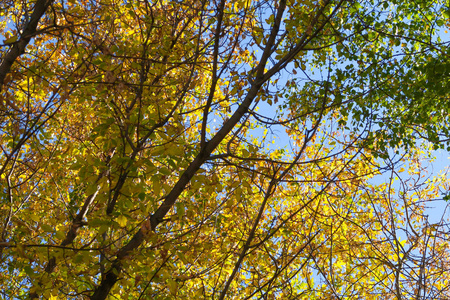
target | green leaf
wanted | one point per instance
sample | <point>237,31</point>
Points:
<point>47,228</point>
<point>11,40</point>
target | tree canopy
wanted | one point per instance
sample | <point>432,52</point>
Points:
<point>223,149</point>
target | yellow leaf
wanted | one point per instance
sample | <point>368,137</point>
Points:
<point>122,220</point>
<point>172,285</point>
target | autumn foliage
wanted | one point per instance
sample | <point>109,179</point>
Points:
<point>223,149</point>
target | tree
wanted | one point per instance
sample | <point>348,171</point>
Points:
<point>195,149</point>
